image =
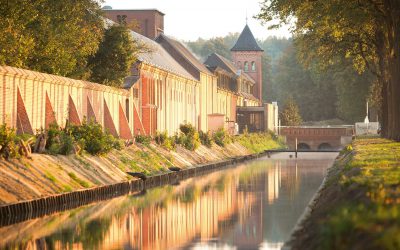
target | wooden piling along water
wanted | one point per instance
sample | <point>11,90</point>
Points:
<point>26,210</point>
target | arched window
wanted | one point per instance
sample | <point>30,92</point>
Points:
<point>253,66</point>
<point>239,65</point>
<point>246,66</point>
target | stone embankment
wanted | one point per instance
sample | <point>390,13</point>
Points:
<point>45,184</point>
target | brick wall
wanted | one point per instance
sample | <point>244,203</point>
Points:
<point>239,57</point>
<point>33,100</point>
<point>49,115</point>
<point>150,22</point>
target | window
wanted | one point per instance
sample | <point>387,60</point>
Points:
<point>246,66</point>
<point>239,65</point>
<point>253,66</point>
<point>127,109</point>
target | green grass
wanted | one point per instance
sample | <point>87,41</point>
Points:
<point>373,215</point>
<point>50,177</point>
<point>81,182</point>
<point>258,142</point>
<point>83,162</point>
<point>66,189</point>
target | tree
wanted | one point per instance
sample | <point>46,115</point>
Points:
<point>313,90</point>
<point>112,62</point>
<point>367,32</point>
<point>55,37</point>
<point>290,116</point>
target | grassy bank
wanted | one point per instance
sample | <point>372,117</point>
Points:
<point>45,174</point>
<point>359,208</point>
<point>258,142</point>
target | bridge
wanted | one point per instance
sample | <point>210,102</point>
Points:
<point>310,138</point>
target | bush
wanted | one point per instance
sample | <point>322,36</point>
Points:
<point>88,136</point>
<point>221,137</point>
<point>189,138</point>
<point>162,139</point>
<point>187,129</point>
<point>143,139</point>
<point>53,137</point>
<point>205,138</point>
<point>8,147</point>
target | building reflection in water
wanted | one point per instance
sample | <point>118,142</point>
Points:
<point>250,206</point>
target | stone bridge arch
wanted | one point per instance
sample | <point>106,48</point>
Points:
<point>303,146</point>
<point>325,146</point>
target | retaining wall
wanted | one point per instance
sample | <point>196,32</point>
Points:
<point>21,211</point>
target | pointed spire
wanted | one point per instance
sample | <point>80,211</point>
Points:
<point>246,41</point>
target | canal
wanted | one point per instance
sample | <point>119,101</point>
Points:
<point>253,205</point>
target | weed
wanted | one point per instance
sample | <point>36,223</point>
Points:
<point>206,138</point>
<point>81,182</point>
<point>50,177</point>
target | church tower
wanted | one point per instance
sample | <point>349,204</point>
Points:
<point>246,54</point>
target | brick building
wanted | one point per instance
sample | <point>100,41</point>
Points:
<point>150,23</point>
<point>247,54</point>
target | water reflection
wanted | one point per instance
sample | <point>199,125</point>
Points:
<point>251,206</point>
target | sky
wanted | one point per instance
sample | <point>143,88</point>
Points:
<point>190,19</point>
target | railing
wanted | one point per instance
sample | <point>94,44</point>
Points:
<point>324,127</point>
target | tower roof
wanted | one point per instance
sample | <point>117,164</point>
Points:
<point>246,41</point>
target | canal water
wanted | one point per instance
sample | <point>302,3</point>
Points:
<point>254,205</point>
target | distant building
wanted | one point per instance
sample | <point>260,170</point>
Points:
<point>150,22</point>
<point>247,54</point>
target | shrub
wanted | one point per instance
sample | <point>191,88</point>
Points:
<point>162,139</point>
<point>189,138</point>
<point>143,139</point>
<point>8,147</point>
<point>191,142</point>
<point>90,137</point>
<point>187,129</point>
<point>169,143</point>
<point>53,136</point>
<point>205,138</point>
<point>67,143</point>
<point>221,137</point>
<point>178,139</point>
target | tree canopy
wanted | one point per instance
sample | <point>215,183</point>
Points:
<point>67,38</point>
<point>55,37</point>
<point>365,32</point>
<point>112,62</point>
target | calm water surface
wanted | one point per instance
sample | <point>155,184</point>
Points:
<point>249,206</point>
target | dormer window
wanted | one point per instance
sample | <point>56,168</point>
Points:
<point>253,66</point>
<point>246,66</point>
